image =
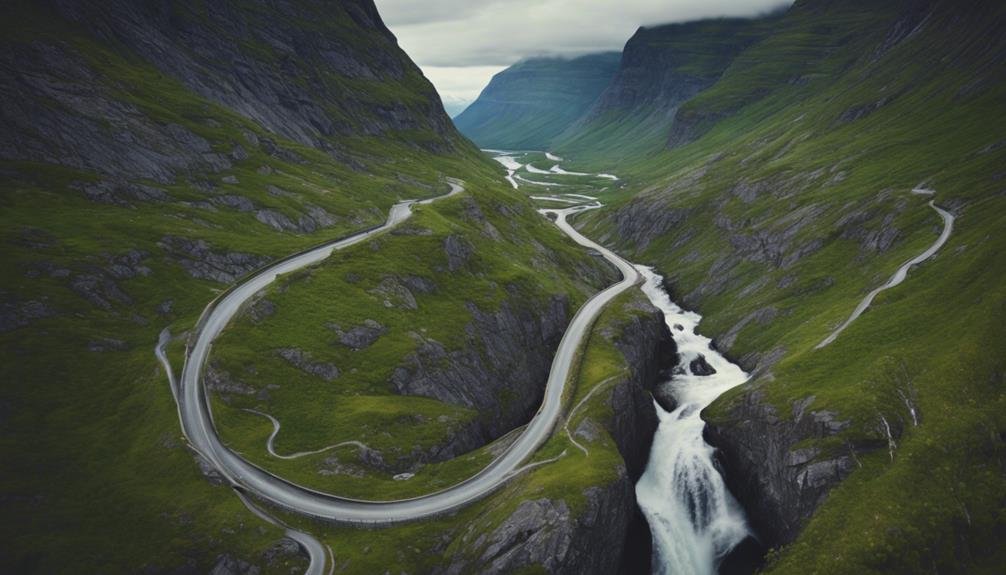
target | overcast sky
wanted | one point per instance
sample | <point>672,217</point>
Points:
<point>460,44</point>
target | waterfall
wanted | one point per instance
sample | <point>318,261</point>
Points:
<point>693,518</point>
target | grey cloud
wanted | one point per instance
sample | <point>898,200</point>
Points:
<point>500,32</point>
<point>456,34</point>
<point>406,12</point>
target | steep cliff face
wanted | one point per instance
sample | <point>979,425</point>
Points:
<point>509,351</point>
<point>661,68</point>
<point>595,527</point>
<point>312,73</point>
<point>779,483</point>
<point>550,535</point>
<point>527,105</point>
<point>648,350</point>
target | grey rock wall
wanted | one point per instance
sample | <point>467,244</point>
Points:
<point>602,535</point>
<point>778,485</point>
<point>501,369</point>
<point>302,83</point>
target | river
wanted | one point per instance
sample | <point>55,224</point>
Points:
<point>693,518</point>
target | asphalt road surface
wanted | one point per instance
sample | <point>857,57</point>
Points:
<point>197,420</point>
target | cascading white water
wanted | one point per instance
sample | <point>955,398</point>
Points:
<point>693,518</point>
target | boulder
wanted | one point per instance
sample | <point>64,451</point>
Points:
<point>361,336</point>
<point>699,366</point>
<point>302,361</point>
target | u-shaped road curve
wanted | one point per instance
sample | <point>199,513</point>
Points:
<point>197,419</point>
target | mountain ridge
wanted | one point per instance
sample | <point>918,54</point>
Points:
<point>662,67</point>
<point>529,103</point>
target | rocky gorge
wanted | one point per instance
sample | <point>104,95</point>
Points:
<point>604,532</point>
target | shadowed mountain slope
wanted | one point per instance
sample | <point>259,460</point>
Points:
<point>527,105</point>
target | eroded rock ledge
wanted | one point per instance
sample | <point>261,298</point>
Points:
<point>779,485</point>
<point>604,534</point>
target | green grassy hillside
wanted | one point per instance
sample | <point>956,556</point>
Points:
<point>785,198</point>
<point>527,105</point>
<point>582,493</point>
<point>150,156</point>
<point>661,68</point>
<point>418,299</point>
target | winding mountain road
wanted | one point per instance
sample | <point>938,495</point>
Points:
<point>197,420</point>
<point>316,554</point>
<point>900,275</point>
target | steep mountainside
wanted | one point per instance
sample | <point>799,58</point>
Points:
<point>781,195</point>
<point>661,68</point>
<point>152,154</point>
<point>527,105</point>
<point>310,74</point>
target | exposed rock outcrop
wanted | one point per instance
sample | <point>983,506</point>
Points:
<point>59,109</point>
<point>201,261</point>
<point>314,219</point>
<point>648,76</point>
<point>878,239</point>
<point>223,383</point>
<point>502,368</point>
<point>229,565</point>
<point>661,68</point>
<point>779,485</point>
<point>302,361</point>
<point>640,221</point>
<point>361,336</point>
<point>15,314</point>
<point>699,366</point>
<point>121,193</point>
<point>128,265</point>
<point>649,350</point>
<point>395,293</point>
<point>99,289</point>
<point>261,309</point>
<point>604,534</point>
<point>547,534</point>
<point>458,251</point>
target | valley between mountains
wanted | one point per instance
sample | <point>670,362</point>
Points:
<point>727,301</point>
